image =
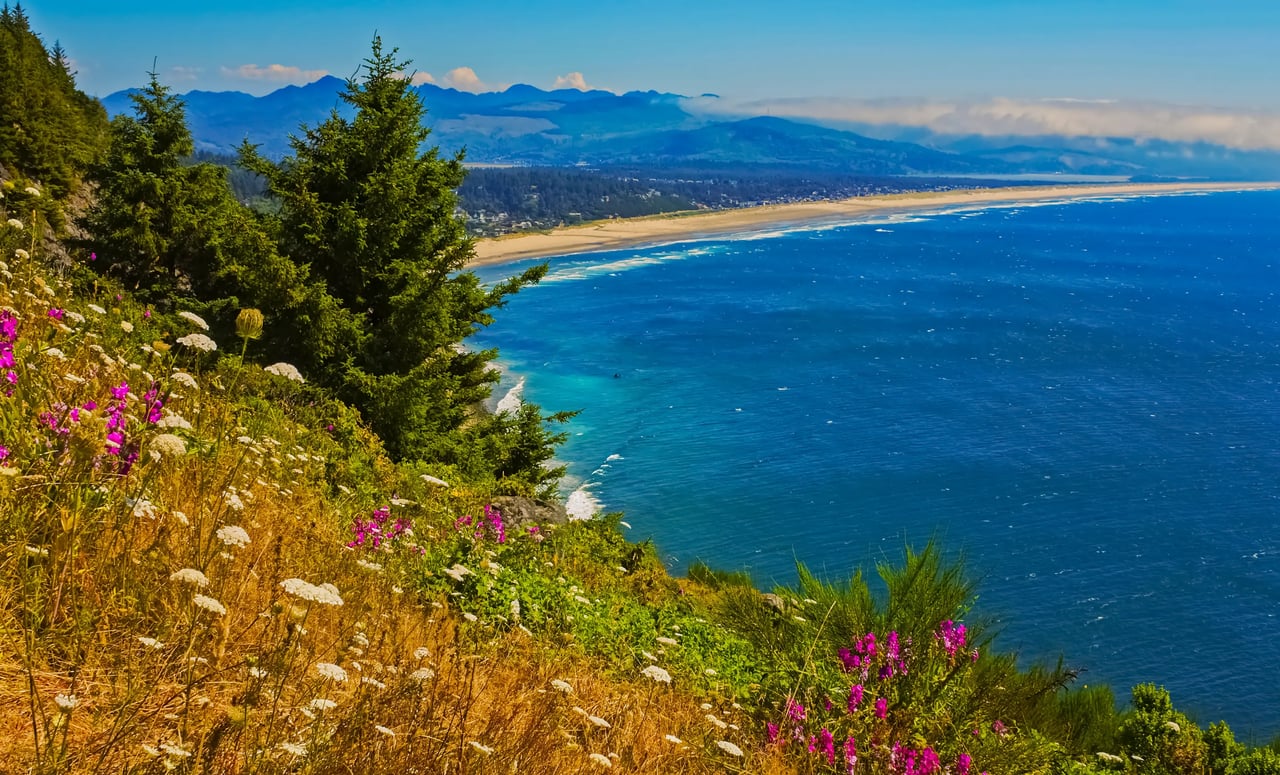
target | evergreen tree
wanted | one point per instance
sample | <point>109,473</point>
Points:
<point>373,216</point>
<point>49,130</point>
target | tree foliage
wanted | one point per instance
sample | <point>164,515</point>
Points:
<point>372,216</point>
<point>49,129</point>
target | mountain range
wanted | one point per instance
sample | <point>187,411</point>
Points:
<point>525,125</point>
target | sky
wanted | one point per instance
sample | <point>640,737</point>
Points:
<point>1211,66</point>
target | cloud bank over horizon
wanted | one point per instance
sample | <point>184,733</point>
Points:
<point>278,73</point>
<point>1073,117</point>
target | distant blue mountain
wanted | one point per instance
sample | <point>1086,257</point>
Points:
<point>528,125</point>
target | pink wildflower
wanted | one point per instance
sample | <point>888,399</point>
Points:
<point>827,745</point>
<point>855,697</point>
<point>56,314</point>
<point>964,762</point>
<point>850,754</point>
<point>795,710</point>
<point>882,708</point>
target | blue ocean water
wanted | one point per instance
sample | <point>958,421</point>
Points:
<point>1080,396</point>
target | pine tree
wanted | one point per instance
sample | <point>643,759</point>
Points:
<point>372,215</point>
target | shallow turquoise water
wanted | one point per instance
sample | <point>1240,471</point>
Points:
<point>1081,397</point>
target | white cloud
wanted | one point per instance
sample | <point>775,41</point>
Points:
<point>465,79</point>
<point>180,73</point>
<point>420,77</point>
<point>282,73</point>
<point>1241,129</point>
<point>573,80</point>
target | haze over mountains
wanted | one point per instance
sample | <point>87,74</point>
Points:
<point>524,125</point>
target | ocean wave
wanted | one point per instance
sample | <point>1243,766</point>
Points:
<point>582,503</point>
<point>511,401</point>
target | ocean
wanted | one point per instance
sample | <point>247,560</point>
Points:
<point>1080,397</point>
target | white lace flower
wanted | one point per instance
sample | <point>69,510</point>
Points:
<point>99,310</point>
<point>167,445</point>
<point>656,673</point>
<point>190,576</point>
<point>294,749</point>
<point>600,759</point>
<point>322,704</point>
<point>233,535</point>
<point>150,643</point>
<point>325,594</point>
<point>562,686</point>
<point>421,652</point>
<point>126,326</point>
<point>210,605</point>
<point>21,254</point>
<point>599,722</point>
<point>386,731</point>
<point>286,370</point>
<point>672,739</point>
<point>457,572</point>
<point>422,675</point>
<point>729,748</point>
<point>176,751</point>
<point>174,421</point>
<point>66,702</point>
<point>31,191</point>
<point>15,223</point>
<point>194,319</point>
<point>433,480</point>
<point>185,379</point>
<point>481,747</point>
<point>198,342</point>
<point>331,671</point>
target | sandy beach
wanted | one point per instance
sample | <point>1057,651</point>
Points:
<point>637,232</point>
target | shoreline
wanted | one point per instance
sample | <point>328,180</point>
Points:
<point>622,233</point>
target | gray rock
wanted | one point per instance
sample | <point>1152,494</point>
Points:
<point>521,511</point>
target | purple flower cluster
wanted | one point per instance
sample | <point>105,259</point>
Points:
<point>8,336</point>
<point>952,637</point>
<point>116,418</point>
<point>378,529</point>
<point>491,522</point>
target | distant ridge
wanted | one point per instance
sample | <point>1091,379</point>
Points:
<point>526,125</point>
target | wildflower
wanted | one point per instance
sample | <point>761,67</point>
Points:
<point>286,370</point>
<point>323,594</point>
<point>561,686</point>
<point>36,551</point>
<point>826,746</point>
<point>320,704</point>
<point>194,319</point>
<point>209,604</point>
<point>249,324</point>
<point>167,445</point>
<point>126,326</point>
<point>150,643</point>
<point>668,641</point>
<point>421,652</point>
<point>198,342</point>
<point>66,702</point>
<point>672,739</point>
<point>795,710</point>
<point>233,500</point>
<point>190,576</point>
<point>181,517</point>
<point>386,731</point>
<point>582,599</point>
<point>729,748</point>
<point>422,675</point>
<point>964,763</point>
<point>96,309</point>
<point>432,480</point>
<point>233,535</point>
<point>31,191</point>
<point>656,673</point>
<point>882,708</point>
<point>174,421</point>
<point>185,379</point>
<point>851,754</point>
<point>143,507</point>
<point>998,727</point>
<point>600,759</point>
<point>257,672</point>
<point>484,749</point>
<point>470,617</point>
<point>331,671</point>
<point>178,752</point>
<point>375,683</point>
<point>15,223</point>
<point>1173,725</point>
<point>21,254</point>
<point>599,722</point>
<point>294,749</point>
<point>715,722</point>
<point>457,572</point>
<point>369,566</point>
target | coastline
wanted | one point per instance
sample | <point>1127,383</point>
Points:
<point>624,233</point>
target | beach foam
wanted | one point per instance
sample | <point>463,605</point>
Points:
<point>511,402</point>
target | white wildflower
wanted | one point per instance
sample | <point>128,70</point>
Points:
<point>209,604</point>
<point>601,759</point>
<point>369,566</point>
<point>257,672</point>
<point>387,731</point>
<point>729,748</point>
<point>599,722</point>
<point>561,686</point>
<point>190,576</point>
<point>174,421</point>
<point>325,594</point>
<point>21,254</point>
<point>181,517</point>
<point>151,751</point>
<point>167,445</point>
<point>75,317</point>
<point>482,748</point>
<point>655,673</point>
<point>715,722</point>
<point>37,551</point>
<point>54,352</point>
<point>194,319</point>
<point>185,379</point>
<point>295,749</point>
<point>422,675</point>
<point>672,739</point>
<point>15,223</point>
<point>433,480</point>
<point>150,643</point>
<point>198,342</point>
<point>233,500</point>
<point>374,682</point>
<point>245,440</point>
<point>421,652</point>
<point>286,370</point>
<point>331,671</point>
<point>31,191</point>
<point>1173,725</point>
<point>457,572</point>
<point>470,617</point>
<point>176,751</point>
<point>668,641</point>
<point>99,310</point>
<point>126,326</point>
<point>321,704</point>
<point>710,671</point>
<point>233,535</point>
<point>66,702</point>
<point>74,379</point>
<point>401,502</point>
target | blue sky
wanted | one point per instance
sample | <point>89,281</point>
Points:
<point>1193,54</point>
